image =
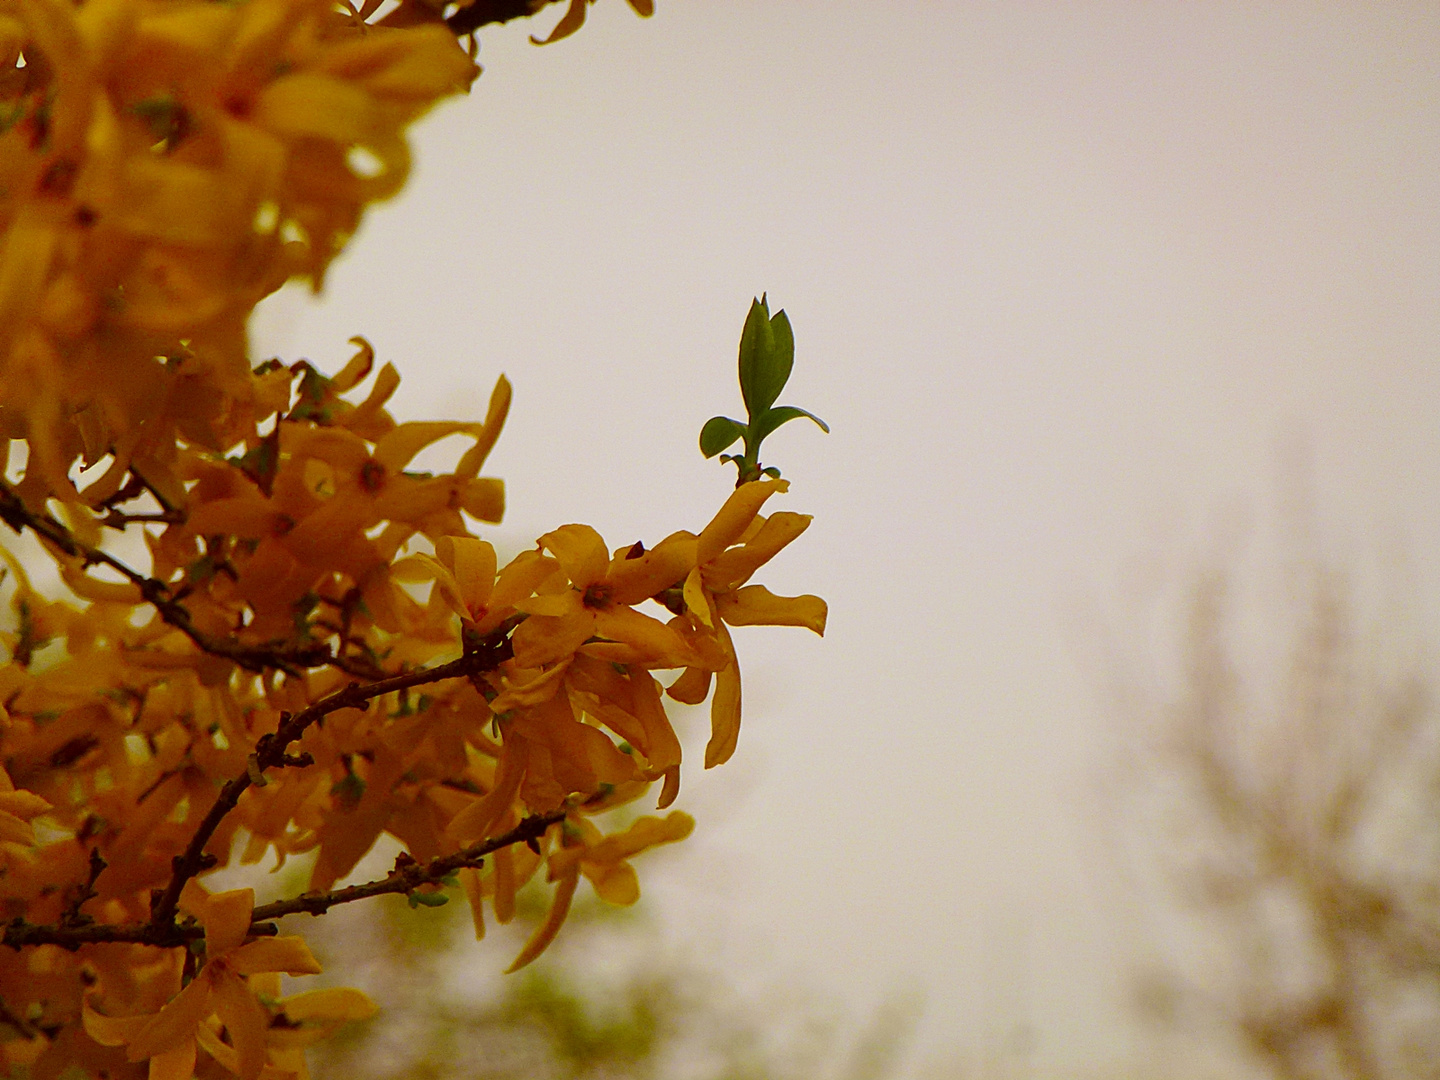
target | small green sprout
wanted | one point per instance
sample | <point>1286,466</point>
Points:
<point>767,353</point>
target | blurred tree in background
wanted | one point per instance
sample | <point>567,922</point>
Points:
<point>610,1000</point>
<point>1289,808</point>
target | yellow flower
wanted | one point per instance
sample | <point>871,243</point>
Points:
<point>17,810</point>
<point>574,18</point>
<point>596,603</point>
<point>164,166</point>
<point>169,1037</point>
<point>735,544</point>
<point>603,860</point>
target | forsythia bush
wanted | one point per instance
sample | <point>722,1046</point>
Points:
<point>314,650</point>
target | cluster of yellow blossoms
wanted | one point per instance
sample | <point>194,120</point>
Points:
<point>319,652</point>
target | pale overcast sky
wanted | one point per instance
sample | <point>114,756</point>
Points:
<point>1063,278</point>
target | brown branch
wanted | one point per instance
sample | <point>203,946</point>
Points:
<point>117,519</point>
<point>410,875</point>
<point>291,659</point>
<point>20,934</point>
<point>78,895</point>
<point>270,752</point>
<point>407,876</point>
<point>9,1016</point>
<point>470,18</point>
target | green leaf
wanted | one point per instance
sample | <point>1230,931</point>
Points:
<point>429,899</point>
<point>755,338</point>
<point>767,353</point>
<point>773,418</point>
<point>720,433</point>
<point>782,359</point>
<point>348,792</point>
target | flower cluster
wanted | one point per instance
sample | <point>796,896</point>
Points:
<point>317,649</point>
<point>163,167</point>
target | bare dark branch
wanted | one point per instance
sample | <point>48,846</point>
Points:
<point>289,658</point>
<point>407,876</point>
<point>271,751</point>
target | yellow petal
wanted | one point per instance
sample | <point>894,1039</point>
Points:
<point>483,498</point>
<point>212,1044</point>
<point>15,831</point>
<point>355,370</point>
<point>25,258</point>
<point>670,789</point>
<point>657,644</point>
<point>226,917</point>
<point>175,1064</point>
<point>644,832</point>
<point>505,885</point>
<point>545,639</point>
<point>408,498</point>
<point>249,515</point>
<point>572,20</point>
<point>521,577</point>
<point>724,709</point>
<point>735,517</point>
<point>104,592</point>
<point>246,1020</point>
<point>309,104</point>
<point>581,552</point>
<point>369,418</point>
<point>734,567</point>
<point>396,449</point>
<point>662,748</point>
<point>175,1023</point>
<point>634,580</point>
<point>23,804</point>
<point>617,884</point>
<point>473,563</point>
<point>474,822</point>
<point>692,687</point>
<point>470,882</point>
<point>554,919</point>
<point>289,954</point>
<point>539,689</point>
<point>107,26</point>
<point>756,605</point>
<point>472,460</point>
<point>696,601</point>
<point>189,28</point>
<point>417,64</point>
<point>177,203</point>
<point>552,605</point>
<point>422,567</point>
<point>335,1003</point>
<point>110,1030</point>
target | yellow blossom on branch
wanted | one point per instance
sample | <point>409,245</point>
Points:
<point>162,168</point>
<point>316,649</point>
<point>169,1037</point>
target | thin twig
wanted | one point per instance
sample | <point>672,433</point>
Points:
<point>487,12</point>
<point>405,878</point>
<point>410,875</point>
<point>291,659</point>
<point>79,894</point>
<point>19,1023</point>
<point>270,752</point>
